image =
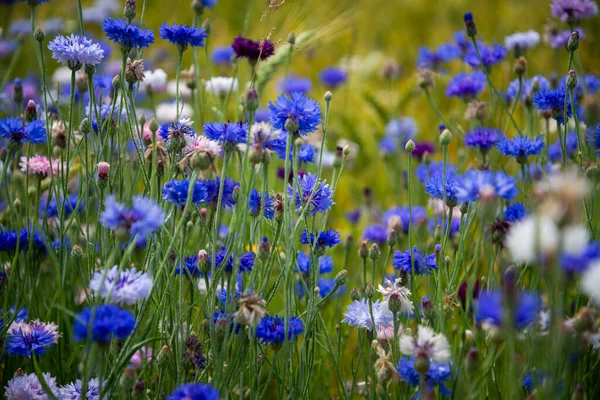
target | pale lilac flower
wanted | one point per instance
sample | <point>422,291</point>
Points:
<point>522,40</point>
<point>128,286</point>
<point>573,10</point>
<point>155,81</point>
<point>434,346</point>
<point>28,387</point>
<point>221,85</point>
<point>358,314</point>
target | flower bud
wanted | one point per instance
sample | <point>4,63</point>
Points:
<point>127,379</point>
<point>134,71</point>
<point>139,389</point>
<point>116,82</point>
<point>341,277</point>
<point>328,96</point>
<point>130,10</point>
<point>206,26</point>
<point>251,100</point>
<point>470,26</point>
<point>203,261</point>
<point>374,252</point>
<point>291,125</point>
<point>17,94</point>
<point>393,237</point>
<point>76,252</point>
<point>571,80</point>
<point>39,34</point>
<point>422,364</point>
<point>425,78</point>
<point>103,171</point>
<point>520,66</point>
<point>363,250</point>
<point>410,146</point>
<point>84,126</point>
<point>291,38</point>
<point>445,137</point>
<point>369,291</point>
<point>355,294</point>
<point>472,361</point>
<point>573,43</point>
<point>30,111</point>
<point>264,249</point>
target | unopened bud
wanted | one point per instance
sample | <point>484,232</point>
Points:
<point>84,126</point>
<point>251,100</point>
<point>30,111</point>
<point>341,277</point>
<point>328,96</point>
<point>355,294</point>
<point>410,146</point>
<point>369,291</point>
<point>363,250</point>
<point>571,80</point>
<point>520,66</point>
<point>470,26</point>
<point>39,34</point>
<point>573,43</point>
<point>374,252</point>
<point>445,137</point>
<point>76,252</point>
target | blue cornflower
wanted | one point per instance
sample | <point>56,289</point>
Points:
<point>109,321</point>
<point>467,86</point>
<point>17,132</point>
<point>423,263</point>
<point>190,266</point>
<point>521,147</point>
<point>50,209</point>
<point>295,83</point>
<point>36,243</point>
<point>463,41</point>
<point>571,147</point>
<point>438,374</point>
<point>576,263</point>
<point>141,220</point>
<point>305,155</point>
<point>271,330</point>
<point>19,315</point>
<point>304,113</point>
<point>183,36</point>
<point>27,338</point>
<point>593,138</point>
<point>328,238</point>
<point>526,87</point>
<point>75,51</point>
<point>474,184</point>
<point>397,133</point>
<point>435,168</point>
<point>227,134</point>
<point>194,391</point>
<point>209,3</point>
<point>515,212</point>
<point>178,134</point>
<point>435,188</point>
<point>247,261</point>
<point>176,192</point>
<point>434,222</point>
<point>126,35</point>
<point>358,314</point>
<point>333,77</point>
<point>220,259</point>
<point>325,264</point>
<point>482,138</point>
<point>376,233</point>
<point>320,201</point>
<point>72,391</point>
<point>490,308</point>
<point>255,204</point>
<point>553,100</point>
<point>212,187</point>
<point>222,55</point>
<point>399,217</point>
<point>433,59</point>
<point>490,55</point>
<point>354,216</point>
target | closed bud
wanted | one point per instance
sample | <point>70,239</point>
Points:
<point>264,249</point>
<point>578,393</point>
<point>470,26</point>
<point>349,243</point>
<point>39,34</point>
<point>374,252</point>
<point>573,43</point>
<point>393,238</point>
<point>139,390</point>
<point>447,261</point>
<point>142,119</point>
<point>251,100</point>
<point>410,146</point>
<point>76,252</point>
<point>130,10</point>
<point>163,356</point>
<point>425,78</point>
<point>291,38</point>
<point>89,70</point>
<point>81,83</point>
<point>427,307</point>
<point>510,281</point>
<point>206,25</point>
<point>472,361</point>
<point>30,111</point>
<point>346,150</point>
<point>17,93</point>
<point>355,294</point>
<point>153,125</point>
<point>116,82</point>
<point>134,71</point>
<point>370,291</point>
<point>328,96</point>
<point>571,80</point>
<point>464,207</point>
<point>422,363</point>
<point>128,379</point>
<point>84,126</point>
<point>203,261</point>
<point>445,137</point>
<point>395,303</point>
<point>291,125</point>
<point>363,250</point>
<point>520,66</point>
<point>341,277</point>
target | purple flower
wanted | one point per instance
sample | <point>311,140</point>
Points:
<point>467,85</point>
<point>183,36</point>
<point>376,233</point>
<point>27,386</point>
<point>490,55</point>
<point>423,263</point>
<point>572,11</point>
<point>141,220</point>
<point>482,138</point>
<point>251,50</point>
<point>75,51</point>
<point>72,391</point>
<point>333,77</point>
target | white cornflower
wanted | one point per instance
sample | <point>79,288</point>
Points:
<point>522,40</point>
<point>184,91</point>
<point>221,85</point>
<point>155,81</point>
<point>396,293</point>
<point>167,112</point>
<point>590,281</point>
<point>434,346</point>
<point>121,287</point>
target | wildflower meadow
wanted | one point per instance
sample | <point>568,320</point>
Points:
<point>277,199</point>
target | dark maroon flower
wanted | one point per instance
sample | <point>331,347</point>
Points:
<point>423,147</point>
<point>462,292</point>
<point>248,48</point>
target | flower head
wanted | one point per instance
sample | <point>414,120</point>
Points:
<point>437,374</point>
<point>194,391</point>
<point>515,212</point>
<point>293,83</point>
<point>423,264</point>
<point>28,387</point>
<point>482,138</point>
<point>376,233</point>
<point>251,50</point>
<point>229,186</point>
<point>490,55</point>
<point>399,218</point>
<point>41,166</point>
<point>475,184</point>
<point>271,329</point>
<point>553,100</point>
<point>121,287</point>
<point>303,113</point>
<point>17,132</point>
<point>521,147</point>
<point>72,391</point>
<point>183,36</point>
<point>228,135</point>
<point>328,238</point>
<point>108,322</point>
<point>332,77</point>
<point>176,192</point>
<point>316,196</point>
<point>573,10</point>
<point>359,314</point>
<point>526,87</point>
<point>178,134</point>
<point>467,85</point>
<point>434,59</point>
<point>426,343</point>
<point>126,35</point>
<point>435,188</point>
<point>393,291</point>
<point>522,41</point>
<point>27,338</point>
<point>256,203</point>
<point>75,51</point>
<point>490,308</point>
<point>222,55</point>
<point>142,219</point>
